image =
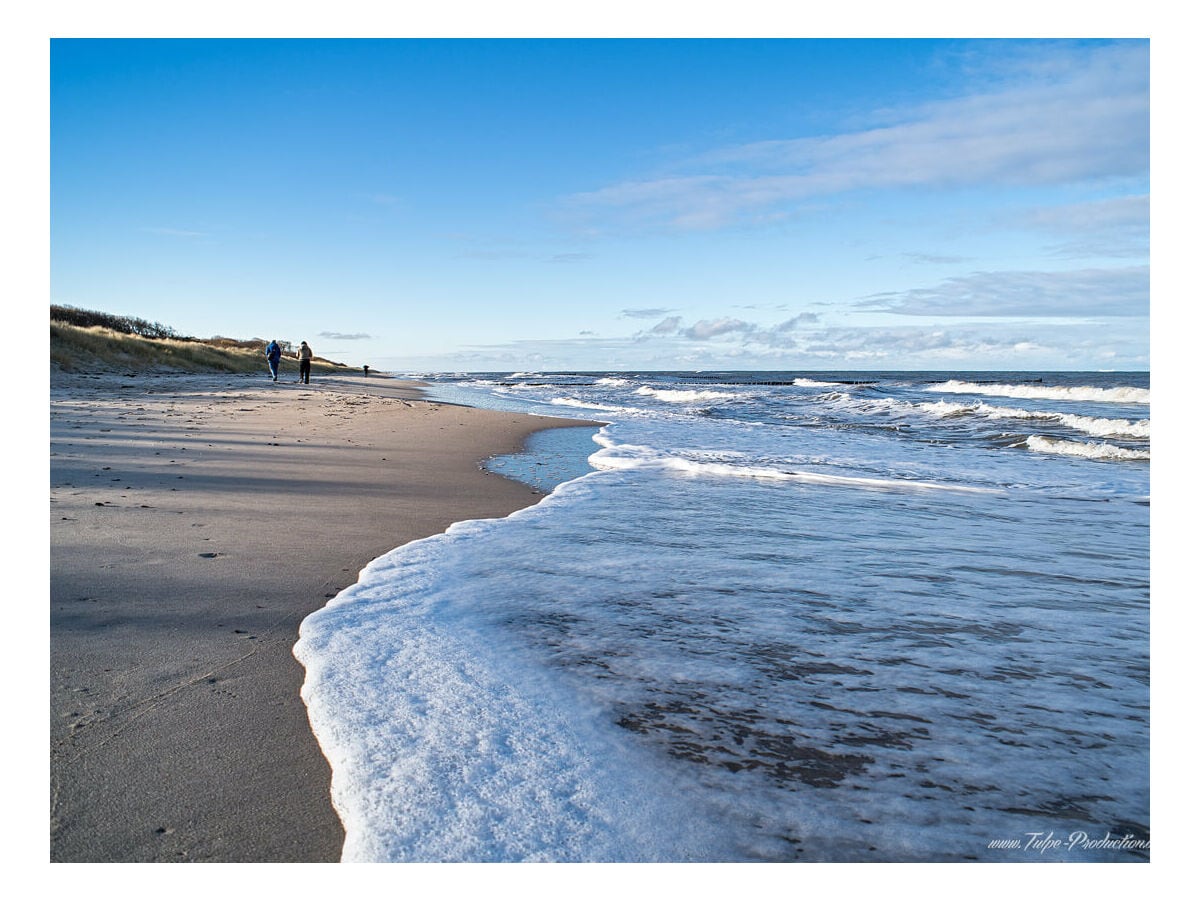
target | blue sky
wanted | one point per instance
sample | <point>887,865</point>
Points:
<point>606,204</point>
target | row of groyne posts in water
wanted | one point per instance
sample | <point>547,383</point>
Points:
<point>535,383</point>
<point>715,381</point>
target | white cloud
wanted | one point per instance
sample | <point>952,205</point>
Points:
<point>645,313</point>
<point>934,259</point>
<point>1088,292</point>
<point>1084,120</point>
<point>669,325</point>
<point>729,328</point>
<point>1112,227</point>
<point>706,329</point>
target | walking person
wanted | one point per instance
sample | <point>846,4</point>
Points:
<point>274,352</point>
<point>305,355</point>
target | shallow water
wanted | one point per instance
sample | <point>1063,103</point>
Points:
<point>797,620</point>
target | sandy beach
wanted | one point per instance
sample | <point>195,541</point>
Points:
<point>194,522</point>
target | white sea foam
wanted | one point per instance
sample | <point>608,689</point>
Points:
<point>809,382</point>
<point>1089,450</point>
<point>629,456</point>
<point>1100,427</point>
<point>1108,427</point>
<point>447,747</point>
<point>1047,391</point>
<point>688,396</point>
<point>580,403</point>
<point>613,382</point>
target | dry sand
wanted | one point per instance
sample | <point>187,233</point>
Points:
<point>195,521</point>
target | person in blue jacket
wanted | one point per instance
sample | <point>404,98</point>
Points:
<point>274,351</point>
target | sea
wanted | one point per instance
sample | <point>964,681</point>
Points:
<point>763,617</point>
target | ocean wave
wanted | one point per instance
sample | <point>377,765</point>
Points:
<point>832,397</point>
<point>1046,392</point>
<point>1093,425</point>
<point>1108,427</point>
<point>677,396</point>
<point>808,382</point>
<point>589,404</point>
<point>630,456</point>
<point>1089,450</point>
<point>613,382</point>
<point>872,405</point>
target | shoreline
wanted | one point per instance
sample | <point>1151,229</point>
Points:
<point>195,521</point>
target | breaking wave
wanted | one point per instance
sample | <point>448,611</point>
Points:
<point>1089,450</point>
<point>1093,425</point>
<point>1046,392</point>
<point>677,396</point>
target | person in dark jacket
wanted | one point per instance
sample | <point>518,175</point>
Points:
<point>305,355</point>
<point>274,352</point>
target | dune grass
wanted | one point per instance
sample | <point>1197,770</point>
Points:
<point>99,349</point>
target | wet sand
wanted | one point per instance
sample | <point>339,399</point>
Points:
<point>194,522</point>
